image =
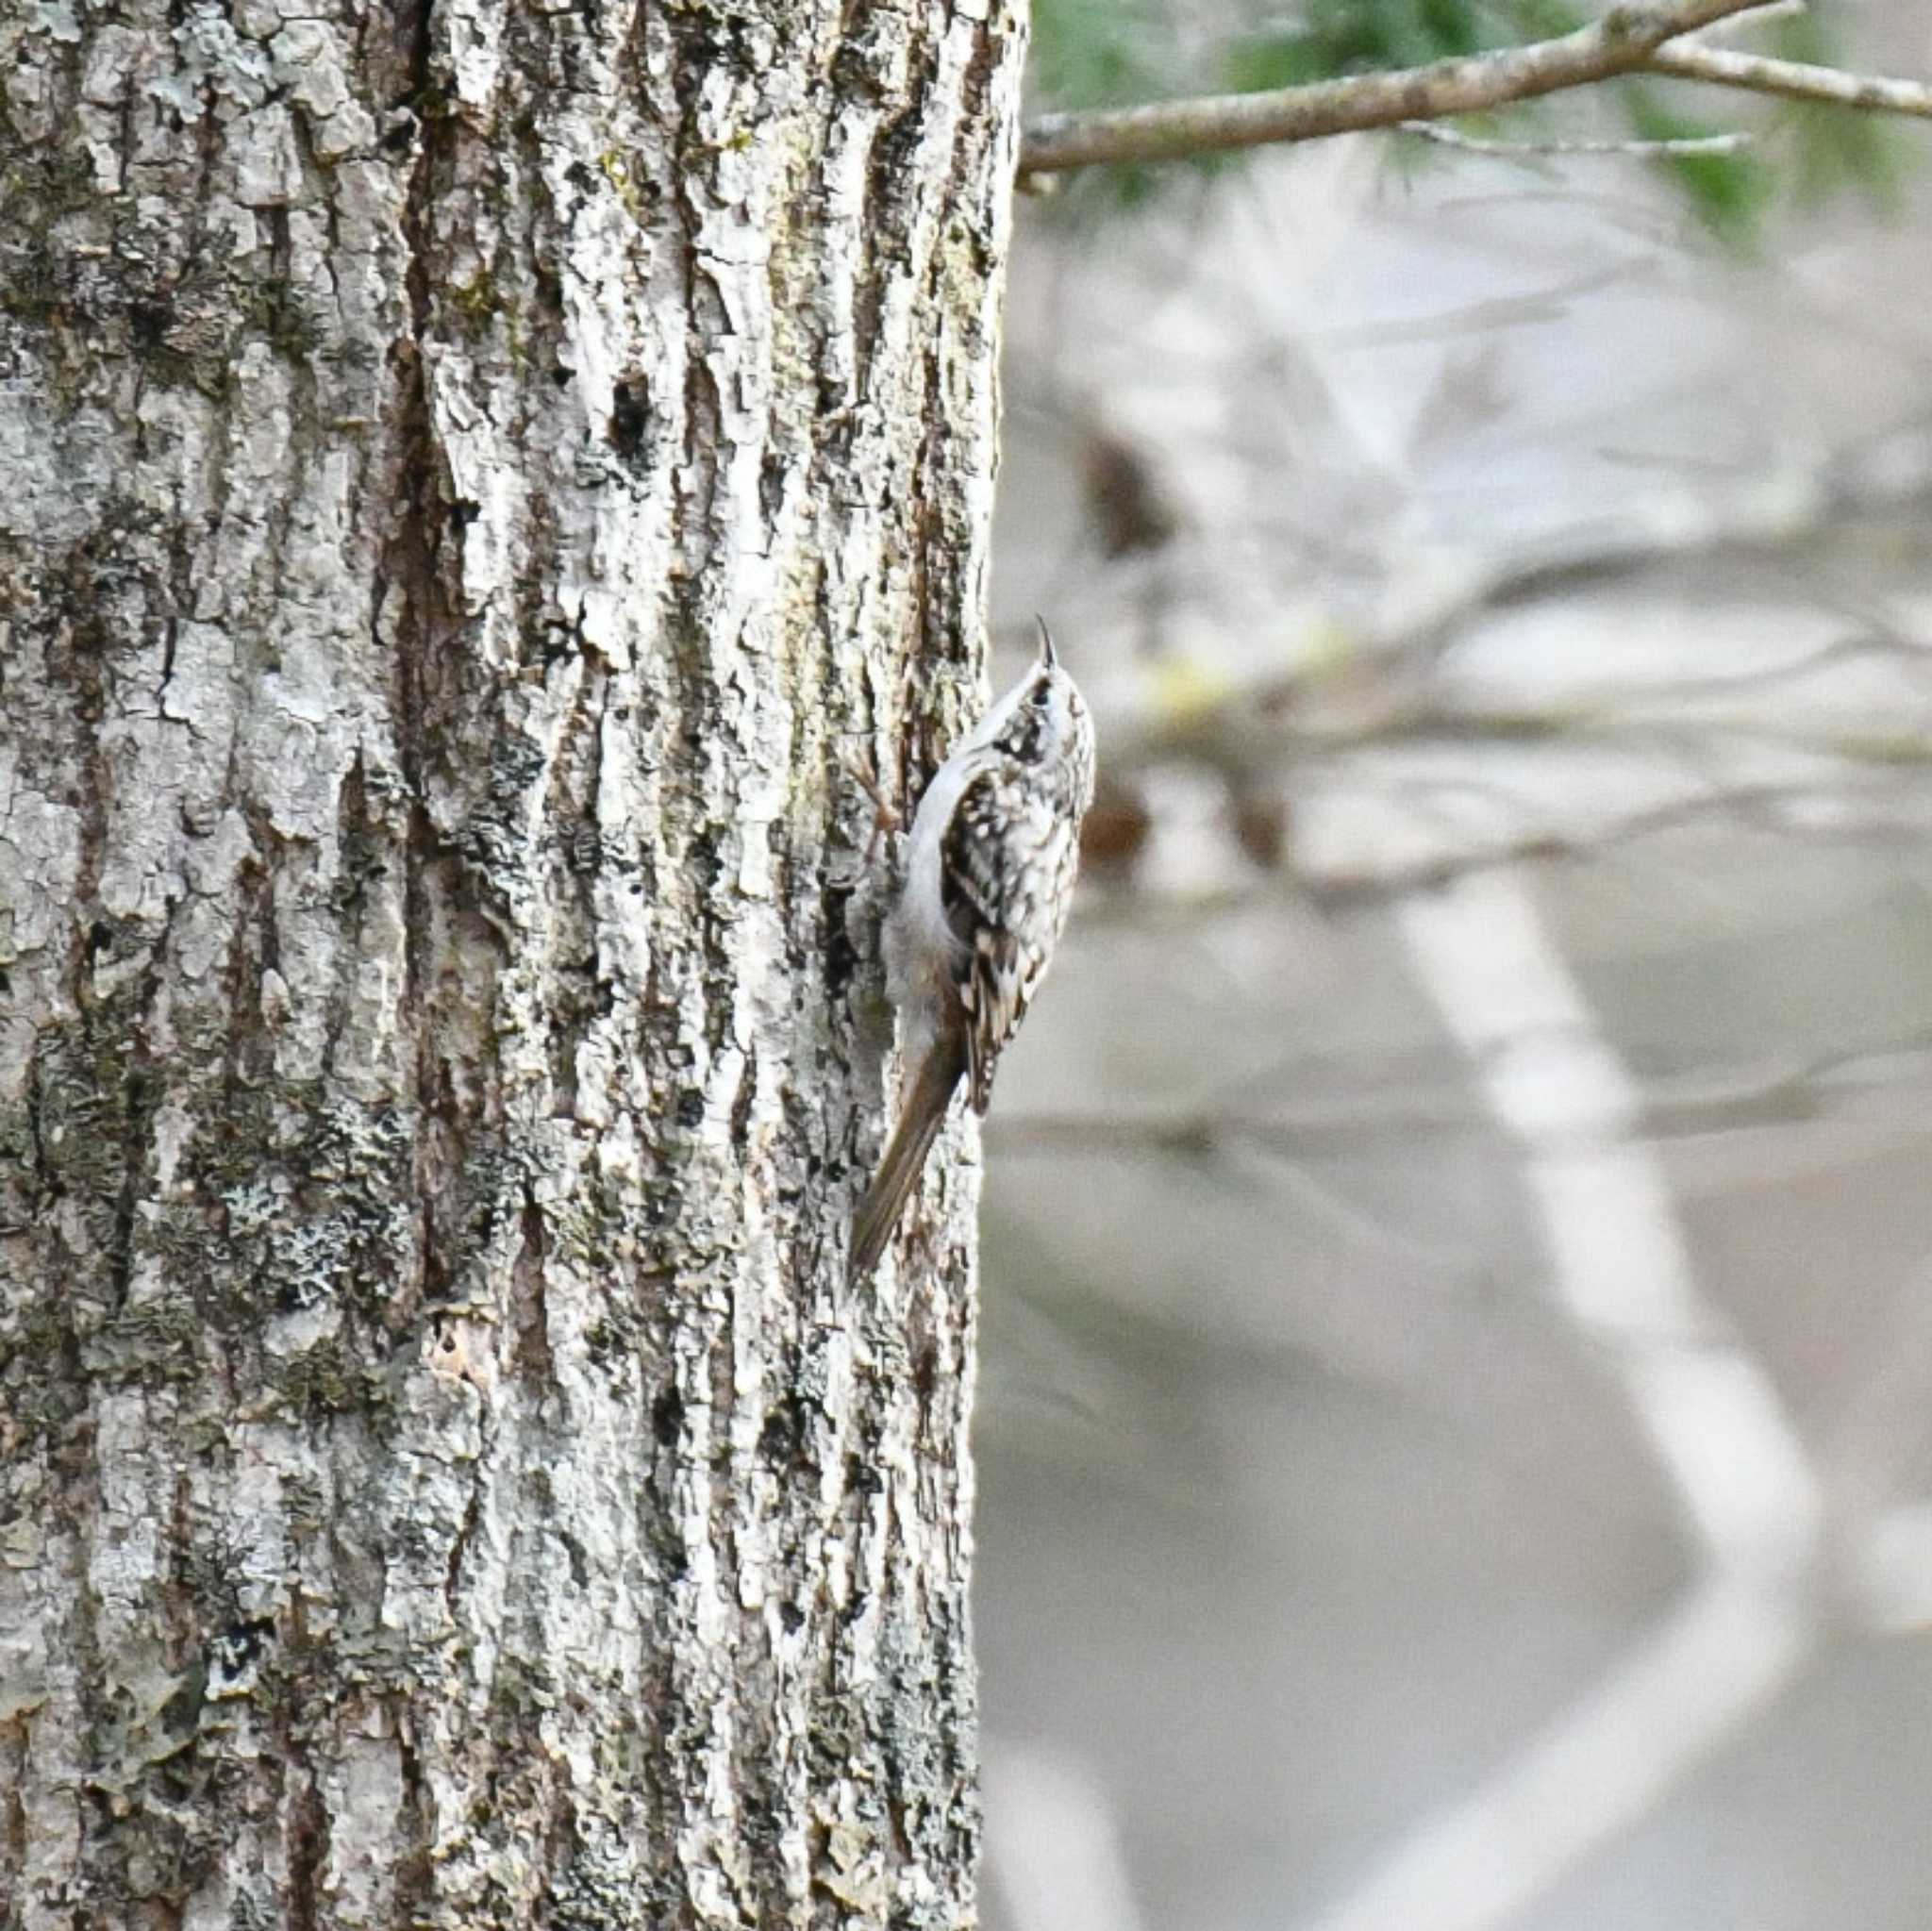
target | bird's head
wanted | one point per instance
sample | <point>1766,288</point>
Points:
<point>1043,720</point>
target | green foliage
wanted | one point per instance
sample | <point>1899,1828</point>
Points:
<point>1336,37</point>
<point>1729,192</point>
<point>1111,52</point>
<point>1836,149</point>
<point>1101,53</point>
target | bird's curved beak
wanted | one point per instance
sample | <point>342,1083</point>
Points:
<point>1049,657</point>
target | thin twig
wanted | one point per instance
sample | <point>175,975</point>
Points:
<point>1730,1100</point>
<point>1685,147</point>
<point>1794,79</point>
<point>1630,38</point>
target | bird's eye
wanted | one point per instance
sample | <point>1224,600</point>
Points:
<point>1041,692</point>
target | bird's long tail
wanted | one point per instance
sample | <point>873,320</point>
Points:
<point>920,1120</point>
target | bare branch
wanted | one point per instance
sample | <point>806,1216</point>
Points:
<point>1627,39</point>
<point>1794,79</point>
<point>1620,42</point>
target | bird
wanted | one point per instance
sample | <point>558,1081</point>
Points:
<point>988,875</point>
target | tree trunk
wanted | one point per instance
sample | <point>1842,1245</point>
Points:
<point>466,479</point>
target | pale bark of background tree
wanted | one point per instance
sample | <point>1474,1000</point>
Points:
<point>466,477</point>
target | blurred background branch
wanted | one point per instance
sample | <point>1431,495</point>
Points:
<point>1458,1323</point>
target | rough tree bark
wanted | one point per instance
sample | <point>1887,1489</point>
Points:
<point>466,475</point>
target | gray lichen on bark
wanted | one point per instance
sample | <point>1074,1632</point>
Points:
<point>465,479</point>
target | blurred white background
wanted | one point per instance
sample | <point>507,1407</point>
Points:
<point>1456,1414</point>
